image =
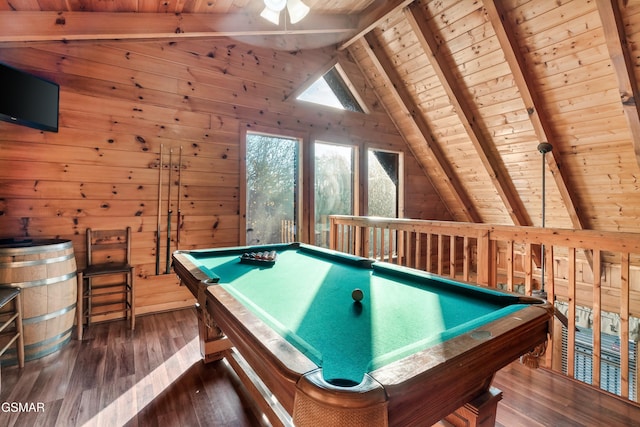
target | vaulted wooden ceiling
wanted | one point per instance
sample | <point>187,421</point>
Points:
<point>473,87</point>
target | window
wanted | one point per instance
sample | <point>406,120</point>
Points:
<point>334,187</point>
<point>332,90</point>
<point>384,189</point>
<point>272,186</point>
<point>383,183</point>
<point>282,204</point>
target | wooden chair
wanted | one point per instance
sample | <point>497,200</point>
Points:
<point>9,336</point>
<point>106,284</point>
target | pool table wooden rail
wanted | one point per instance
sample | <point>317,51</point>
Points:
<point>276,362</point>
<point>213,342</point>
<point>460,369</point>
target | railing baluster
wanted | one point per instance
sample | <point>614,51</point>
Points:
<point>399,247</point>
<point>466,263</point>
<point>418,250</point>
<point>624,324</point>
<point>597,318</point>
<point>528,269</point>
<point>452,256</point>
<point>510,269</point>
<point>571,291</point>
<point>440,251</point>
<point>375,243</point>
<point>390,245</point>
<point>366,233</point>
<point>428,266</point>
<point>333,236</point>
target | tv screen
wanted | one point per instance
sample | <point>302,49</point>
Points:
<point>28,100</point>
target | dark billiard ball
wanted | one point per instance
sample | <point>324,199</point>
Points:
<point>357,294</point>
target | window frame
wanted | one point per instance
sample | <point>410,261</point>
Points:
<point>301,198</point>
<point>305,217</point>
<point>401,179</point>
<point>355,180</point>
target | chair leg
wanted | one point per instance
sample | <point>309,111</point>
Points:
<point>20,330</point>
<point>89,299</point>
<point>80,307</point>
<point>133,299</point>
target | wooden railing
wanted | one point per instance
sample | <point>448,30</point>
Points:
<point>593,278</point>
<point>287,231</point>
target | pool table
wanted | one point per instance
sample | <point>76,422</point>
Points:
<point>415,349</point>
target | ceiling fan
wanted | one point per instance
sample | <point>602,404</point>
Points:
<point>296,9</point>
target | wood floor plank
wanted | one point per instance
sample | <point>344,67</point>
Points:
<point>548,399</point>
<point>154,376</point>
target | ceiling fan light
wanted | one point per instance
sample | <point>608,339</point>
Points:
<point>275,5</point>
<point>297,10</point>
<point>271,15</point>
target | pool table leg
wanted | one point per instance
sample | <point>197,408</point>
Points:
<point>480,412</point>
<point>213,343</point>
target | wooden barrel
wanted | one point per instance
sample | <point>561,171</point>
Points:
<point>46,272</point>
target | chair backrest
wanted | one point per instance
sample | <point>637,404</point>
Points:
<point>108,246</point>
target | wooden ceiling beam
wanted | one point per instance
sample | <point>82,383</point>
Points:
<point>623,66</point>
<point>65,26</point>
<point>534,105</point>
<point>407,106</point>
<point>485,149</point>
<point>373,16</point>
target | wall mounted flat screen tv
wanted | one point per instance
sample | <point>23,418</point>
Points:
<point>28,100</point>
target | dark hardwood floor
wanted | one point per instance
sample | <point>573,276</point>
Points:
<point>154,377</point>
<point>116,377</point>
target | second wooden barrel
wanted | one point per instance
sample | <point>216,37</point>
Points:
<point>46,272</point>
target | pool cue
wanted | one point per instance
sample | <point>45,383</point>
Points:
<point>159,206</point>
<point>169,212</point>
<point>179,199</point>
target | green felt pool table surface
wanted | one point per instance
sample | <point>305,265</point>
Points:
<point>306,297</point>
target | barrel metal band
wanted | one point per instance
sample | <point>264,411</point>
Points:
<point>48,340</point>
<point>42,282</point>
<point>48,316</point>
<point>49,350</point>
<point>13,360</point>
<point>18,264</point>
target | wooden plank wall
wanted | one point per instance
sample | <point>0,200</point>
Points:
<point>120,101</point>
